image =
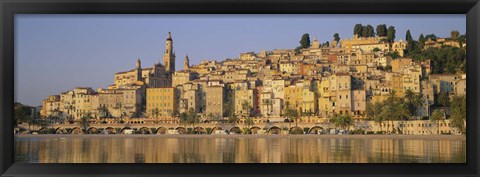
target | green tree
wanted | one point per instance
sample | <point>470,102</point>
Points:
<point>358,30</point>
<point>192,118</point>
<point>233,118</point>
<point>298,49</point>
<point>394,109</point>
<point>155,112</point>
<point>436,117</point>
<point>444,100</point>
<point>408,36</point>
<point>368,31</point>
<point>410,42</point>
<point>21,113</point>
<point>247,107</point>
<point>292,114</point>
<point>394,55</point>
<point>433,37</point>
<point>421,38</point>
<point>454,35</point>
<point>85,120</point>
<point>462,40</point>
<point>391,34</point>
<point>413,101</point>
<point>421,42</point>
<point>305,41</point>
<point>381,30</point>
<point>183,118</point>
<point>342,121</point>
<point>326,44</point>
<point>373,109</point>
<point>459,112</point>
<point>336,37</point>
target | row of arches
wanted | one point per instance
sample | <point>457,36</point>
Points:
<point>183,130</point>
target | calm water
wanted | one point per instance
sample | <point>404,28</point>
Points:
<point>237,149</point>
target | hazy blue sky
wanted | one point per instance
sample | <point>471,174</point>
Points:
<point>56,53</point>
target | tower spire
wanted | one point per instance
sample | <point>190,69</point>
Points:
<point>169,55</point>
<point>186,62</point>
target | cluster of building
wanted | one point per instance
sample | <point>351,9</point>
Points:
<point>317,81</point>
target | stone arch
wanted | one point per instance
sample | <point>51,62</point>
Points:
<point>43,130</point>
<point>315,130</point>
<point>200,130</point>
<point>255,129</point>
<point>92,130</point>
<point>295,130</point>
<point>274,130</point>
<point>161,130</point>
<point>122,131</point>
<point>235,130</point>
<point>144,130</point>
<point>76,130</point>
<point>214,129</point>
<point>181,130</point>
<point>110,130</point>
<point>60,130</point>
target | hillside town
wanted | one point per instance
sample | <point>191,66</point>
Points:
<point>370,78</point>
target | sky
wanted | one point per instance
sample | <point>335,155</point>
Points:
<point>55,53</point>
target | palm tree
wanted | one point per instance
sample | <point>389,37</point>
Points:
<point>454,35</point>
<point>269,106</point>
<point>292,114</point>
<point>183,118</point>
<point>104,112</point>
<point>192,117</point>
<point>413,101</point>
<point>233,118</point>
<point>211,116</point>
<point>265,102</point>
<point>85,120</point>
<point>71,108</point>
<point>444,100</point>
<point>156,112</point>
<point>436,117</point>
<point>247,107</point>
<point>394,109</point>
<point>342,121</point>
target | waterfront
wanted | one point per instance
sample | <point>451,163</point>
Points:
<point>240,149</point>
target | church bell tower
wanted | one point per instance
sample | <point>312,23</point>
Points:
<point>169,55</point>
<point>186,62</point>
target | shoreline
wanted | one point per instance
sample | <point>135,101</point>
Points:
<point>424,137</point>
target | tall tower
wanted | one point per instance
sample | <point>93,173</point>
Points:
<point>169,55</point>
<point>186,62</point>
<point>138,67</point>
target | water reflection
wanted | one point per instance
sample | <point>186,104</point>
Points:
<point>275,149</point>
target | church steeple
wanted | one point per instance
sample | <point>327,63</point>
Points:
<point>169,55</point>
<point>186,62</point>
<point>138,67</point>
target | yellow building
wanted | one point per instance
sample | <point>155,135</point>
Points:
<point>161,102</point>
<point>153,77</point>
<point>51,106</point>
<point>244,93</point>
<point>357,41</point>
<point>294,96</point>
<point>444,82</point>
<point>215,97</point>
<point>399,47</point>
<point>182,77</point>
<point>399,63</point>
<point>461,87</point>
